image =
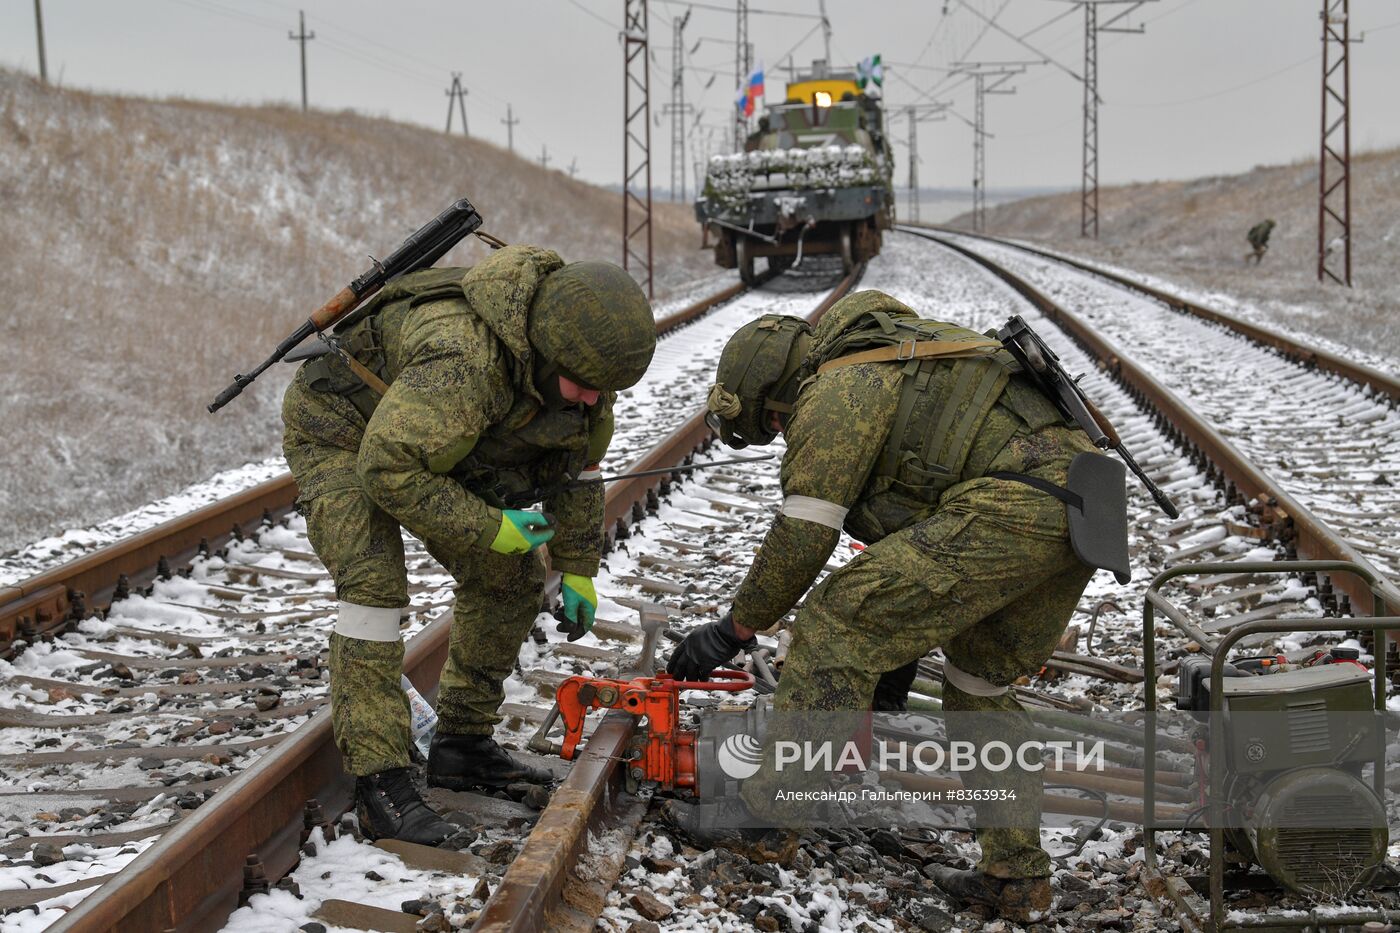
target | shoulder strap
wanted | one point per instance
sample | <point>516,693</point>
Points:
<point>915,350</point>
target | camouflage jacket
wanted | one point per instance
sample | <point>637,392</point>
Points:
<point>836,437</point>
<point>462,423</point>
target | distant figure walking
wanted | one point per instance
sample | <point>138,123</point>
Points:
<point>1259,239</point>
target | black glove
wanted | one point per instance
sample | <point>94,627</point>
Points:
<point>706,648</point>
<point>892,691</point>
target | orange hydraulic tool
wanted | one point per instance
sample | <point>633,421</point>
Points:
<point>665,753</point>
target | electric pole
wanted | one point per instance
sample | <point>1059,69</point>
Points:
<point>915,113</point>
<point>678,108</point>
<point>1001,73</point>
<point>636,143</point>
<point>573,167</point>
<point>826,31</point>
<point>303,37</point>
<point>510,122</point>
<point>457,94</point>
<point>544,156</point>
<point>743,63</point>
<point>39,30</point>
<point>1089,186</point>
<point>1334,169</point>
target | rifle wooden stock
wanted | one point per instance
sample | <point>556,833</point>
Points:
<point>1104,424</point>
<point>326,316</point>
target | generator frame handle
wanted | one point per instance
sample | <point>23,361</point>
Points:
<point>1219,650</point>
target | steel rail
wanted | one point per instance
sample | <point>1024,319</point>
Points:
<point>534,886</point>
<point>44,603</point>
<point>1384,384</point>
<point>1313,538</point>
<point>190,878</point>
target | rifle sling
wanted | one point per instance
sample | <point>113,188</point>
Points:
<point>914,350</point>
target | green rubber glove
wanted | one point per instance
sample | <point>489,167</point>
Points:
<point>521,531</point>
<point>580,605</point>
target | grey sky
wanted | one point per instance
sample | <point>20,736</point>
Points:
<point>1214,86</point>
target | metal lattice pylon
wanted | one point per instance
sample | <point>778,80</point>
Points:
<point>1334,171</point>
<point>636,145</point>
<point>1089,192</point>
<point>678,109</point>
<point>743,64</point>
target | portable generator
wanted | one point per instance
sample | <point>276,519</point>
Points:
<point>1297,731</point>
<point>1290,754</point>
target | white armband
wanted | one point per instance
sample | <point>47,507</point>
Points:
<point>367,623</point>
<point>814,510</point>
<point>970,683</point>
<point>589,475</point>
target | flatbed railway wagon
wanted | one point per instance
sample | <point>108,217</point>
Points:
<point>815,178</point>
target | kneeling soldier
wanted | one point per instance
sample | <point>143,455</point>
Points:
<point>915,456</point>
<point>501,379</point>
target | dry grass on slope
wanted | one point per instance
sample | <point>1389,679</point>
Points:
<point>151,249</point>
<point>1193,233</point>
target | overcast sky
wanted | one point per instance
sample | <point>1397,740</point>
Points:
<point>1212,86</point>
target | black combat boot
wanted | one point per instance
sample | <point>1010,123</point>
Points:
<point>463,762</point>
<point>718,824</point>
<point>1021,900</point>
<point>389,807</point>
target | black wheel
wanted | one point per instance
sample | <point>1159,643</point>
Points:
<point>745,260</point>
<point>848,255</point>
<point>780,264</point>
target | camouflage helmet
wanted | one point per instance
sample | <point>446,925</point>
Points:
<point>593,322</point>
<point>757,376</point>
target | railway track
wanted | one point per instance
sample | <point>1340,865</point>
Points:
<point>681,562</point>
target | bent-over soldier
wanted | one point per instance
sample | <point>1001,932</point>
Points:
<point>919,459</point>
<point>501,380</point>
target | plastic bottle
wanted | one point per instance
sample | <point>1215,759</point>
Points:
<point>423,718</point>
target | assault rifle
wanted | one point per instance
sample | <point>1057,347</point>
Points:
<point>1041,364</point>
<point>516,500</point>
<point>419,251</point>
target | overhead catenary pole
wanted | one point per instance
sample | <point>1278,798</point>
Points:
<point>826,30</point>
<point>1001,73</point>
<point>915,113</point>
<point>303,37</point>
<point>743,64</point>
<point>1334,169</point>
<point>636,144</point>
<point>457,96</point>
<point>678,109</point>
<point>510,122</point>
<point>573,167</point>
<point>1089,184</point>
<point>39,32</point>
<point>544,156</point>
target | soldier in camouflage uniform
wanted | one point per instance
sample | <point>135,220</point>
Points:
<point>898,452</point>
<point>1258,237</point>
<point>501,379</point>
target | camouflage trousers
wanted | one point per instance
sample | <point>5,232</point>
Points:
<point>991,579</point>
<point>497,597</point>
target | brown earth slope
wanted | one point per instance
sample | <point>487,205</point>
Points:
<point>1192,233</point>
<point>149,249</point>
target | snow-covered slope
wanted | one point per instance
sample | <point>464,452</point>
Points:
<point>149,250</point>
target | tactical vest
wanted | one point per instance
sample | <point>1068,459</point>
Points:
<point>944,431</point>
<point>530,447</point>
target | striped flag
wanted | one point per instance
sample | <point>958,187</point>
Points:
<point>750,91</point>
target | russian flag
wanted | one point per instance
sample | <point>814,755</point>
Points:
<point>750,92</point>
